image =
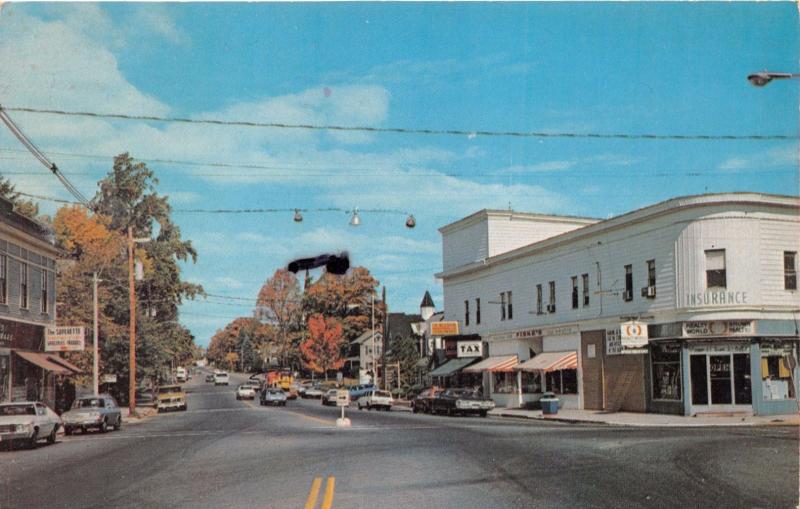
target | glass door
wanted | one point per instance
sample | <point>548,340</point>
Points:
<point>720,381</point>
<point>699,378</point>
<point>741,379</point>
<point>719,371</point>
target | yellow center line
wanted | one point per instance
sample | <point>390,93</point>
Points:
<point>311,501</point>
<point>327,500</point>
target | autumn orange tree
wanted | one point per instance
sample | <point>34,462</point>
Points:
<point>322,349</point>
<point>244,335</point>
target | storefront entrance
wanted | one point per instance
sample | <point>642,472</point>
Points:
<point>720,380</point>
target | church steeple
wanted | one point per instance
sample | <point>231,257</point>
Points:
<point>426,309</point>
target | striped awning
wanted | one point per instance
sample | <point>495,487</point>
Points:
<point>498,363</point>
<point>551,361</point>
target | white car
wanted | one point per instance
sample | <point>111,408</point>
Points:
<point>28,422</point>
<point>313,392</point>
<point>382,400</point>
<point>221,378</point>
<point>245,391</point>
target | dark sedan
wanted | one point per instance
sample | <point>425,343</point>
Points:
<point>424,400</point>
<point>461,402</point>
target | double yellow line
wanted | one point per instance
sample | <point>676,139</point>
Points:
<point>327,499</point>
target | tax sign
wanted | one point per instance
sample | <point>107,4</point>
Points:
<point>63,339</point>
<point>470,349</point>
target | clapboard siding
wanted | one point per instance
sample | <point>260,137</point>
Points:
<point>37,262</point>
<point>776,238</point>
<point>508,232</point>
<point>465,245</point>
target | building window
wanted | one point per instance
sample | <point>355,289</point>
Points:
<point>790,270</point>
<point>574,292</point>
<point>44,291</point>
<point>563,381</point>
<point>477,311</point>
<point>715,268</point>
<point>776,375</point>
<point>3,278</point>
<point>666,364</point>
<point>538,299</point>
<point>466,313</point>
<point>502,306</point>
<point>551,307</point>
<point>628,294</point>
<point>651,273</point>
<point>23,285</point>
<point>585,278</point>
<point>510,306</point>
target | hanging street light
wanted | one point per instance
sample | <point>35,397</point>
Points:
<point>411,222</point>
<point>298,217</point>
<point>355,220</point>
<point>760,79</point>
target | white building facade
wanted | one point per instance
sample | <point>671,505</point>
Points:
<point>711,279</point>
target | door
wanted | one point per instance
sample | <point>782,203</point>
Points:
<point>699,379</point>
<point>720,381</point>
<point>719,368</point>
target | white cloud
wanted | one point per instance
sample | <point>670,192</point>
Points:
<point>155,19</point>
<point>773,158</point>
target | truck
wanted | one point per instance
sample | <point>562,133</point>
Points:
<point>282,378</point>
<point>180,374</point>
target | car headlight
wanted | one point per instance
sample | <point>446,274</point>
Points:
<point>24,428</point>
<point>460,404</point>
<point>93,415</point>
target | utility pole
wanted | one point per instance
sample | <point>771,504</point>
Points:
<point>385,340</point>
<point>374,353</point>
<point>95,362</point>
<point>132,353</point>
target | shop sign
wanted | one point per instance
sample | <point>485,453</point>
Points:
<point>109,379</point>
<point>566,330</point>
<point>444,328</point>
<point>470,349</point>
<point>715,298</point>
<point>718,328</point>
<point>633,334</point>
<point>614,344</point>
<point>63,339</point>
<point>450,348</point>
<point>781,348</point>
<point>6,337</point>
<point>528,333</point>
<point>741,347</point>
<point>20,335</point>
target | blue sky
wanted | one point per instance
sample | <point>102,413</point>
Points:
<point>676,68</point>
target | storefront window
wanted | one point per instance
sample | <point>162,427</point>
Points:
<point>666,360</point>
<point>776,379</point>
<point>505,383</point>
<point>564,381</point>
<point>531,382</point>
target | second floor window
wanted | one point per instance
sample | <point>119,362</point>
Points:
<point>574,292</point>
<point>628,295</point>
<point>44,291</point>
<point>585,278</point>
<point>790,270</point>
<point>502,306</point>
<point>538,299</point>
<point>477,311</point>
<point>510,306</point>
<point>23,285</point>
<point>651,273</point>
<point>715,268</point>
<point>551,307</point>
<point>466,312</point>
<point>3,279</point>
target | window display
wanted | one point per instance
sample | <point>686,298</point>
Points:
<point>563,381</point>
<point>666,361</point>
<point>776,379</point>
<point>505,383</point>
<point>531,382</point>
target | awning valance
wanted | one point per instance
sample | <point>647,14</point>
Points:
<point>551,361</point>
<point>499,363</point>
<point>41,360</point>
<point>64,362</point>
<point>452,366</point>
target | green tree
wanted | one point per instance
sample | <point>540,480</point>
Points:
<point>404,353</point>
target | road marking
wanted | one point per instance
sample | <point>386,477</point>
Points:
<point>311,501</point>
<point>298,414</point>
<point>330,486</point>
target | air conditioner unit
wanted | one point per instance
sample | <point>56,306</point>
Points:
<point>649,292</point>
<point>551,308</point>
<point>627,295</point>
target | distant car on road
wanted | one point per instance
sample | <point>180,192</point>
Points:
<point>180,374</point>
<point>424,400</point>
<point>210,378</point>
<point>381,400</point>
<point>329,398</point>
<point>461,401</point>
<point>171,397</point>
<point>221,378</point>
<point>27,422</point>
<point>93,412</point>
<point>273,396</point>
<point>314,392</point>
<point>356,391</point>
<point>245,391</point>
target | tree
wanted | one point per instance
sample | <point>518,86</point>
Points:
<point>244,335</point>
<point>404,352</point>
<point>322,350</point>
<point>280,299</point>
<point>25,207</point>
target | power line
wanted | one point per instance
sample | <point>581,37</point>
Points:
<point>409,130</point>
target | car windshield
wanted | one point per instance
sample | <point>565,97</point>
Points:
<point>89,403</point>
<point>17,410</point>
<point>382,394</point>
<point>275,392</point>
<point>169,388</point>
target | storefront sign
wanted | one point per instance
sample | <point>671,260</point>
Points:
<point>5,335</point>
<point>566,330</point>
<point>741,347</point>
<point>470,349</point>
<point>718,328</point>
<point>109,379</point>
<point>779,348</point>
<point>715,298</point>
<point>444,328</point>
<point>633,334</point>
<point>20,335</point>
<point>450,348</point>
<point>528,333</point>
<point>64,339</point>
<point>614,344</point>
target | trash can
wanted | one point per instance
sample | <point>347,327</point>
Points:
<point>549,403</point>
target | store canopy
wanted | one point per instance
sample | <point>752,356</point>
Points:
<point>551,361</point>
<point>64,362</point>
<point>41,360</point>
<point>452,366</point>
<point>500,363</point>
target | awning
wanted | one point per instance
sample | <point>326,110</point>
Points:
<point>64,362</point>
<point>41,360</point>
<point>499,363</point>
<point>452,366</point>
<point>551,361</point>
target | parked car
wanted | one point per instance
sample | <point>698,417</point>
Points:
<point>273,396</point>
<point>461,401</point>
<point>28,422</point>
<point>210,378</point>
<point>171,397</point>
<point>382,400</point>
<point>303,386</point>
<point>180,374</point>
<point>221,378</point>
<point>315,391</point>
<point>356,391</point>
<point>424,400</point>
<point>329,398</point>
<point>245,391</point>
<point>93,412</point>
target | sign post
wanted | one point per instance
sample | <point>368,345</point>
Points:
<point>342,400</point>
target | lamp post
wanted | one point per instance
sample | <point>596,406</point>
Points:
<point>760,79</point>
<point>132,296</point>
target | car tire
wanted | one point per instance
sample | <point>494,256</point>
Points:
<point>414,409</point>
<point>103,426</point>
<point>118,425</point>
<point>32,441</point>
<point>51,438</point>
<point>67,431</point>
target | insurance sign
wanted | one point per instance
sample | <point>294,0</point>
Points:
<point>64,339</point>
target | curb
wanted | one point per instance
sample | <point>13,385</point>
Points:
<point>644,424</point>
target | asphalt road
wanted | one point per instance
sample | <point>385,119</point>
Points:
<point>224,453</point>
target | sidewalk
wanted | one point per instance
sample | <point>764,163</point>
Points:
<point>143,413</point>
<point>645,420</point>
